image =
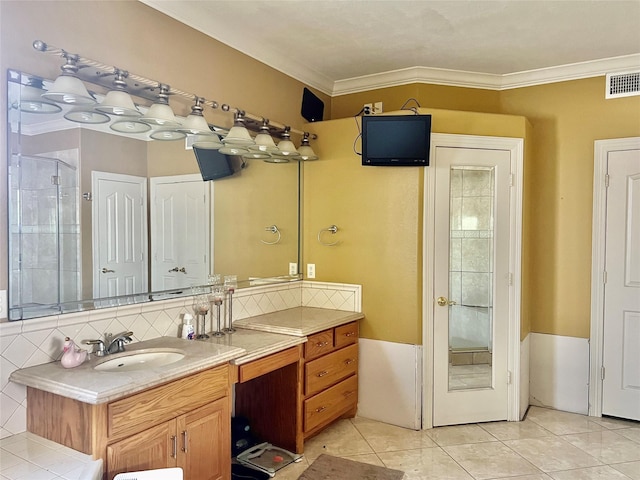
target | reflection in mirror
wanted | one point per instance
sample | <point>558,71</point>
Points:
<point>98,218</point>
<point>471,267</point>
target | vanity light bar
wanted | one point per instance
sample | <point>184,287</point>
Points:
<point>101,74</point>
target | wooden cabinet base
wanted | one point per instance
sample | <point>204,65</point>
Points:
<point>195,435</point>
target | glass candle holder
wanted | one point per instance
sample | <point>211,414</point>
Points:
<point>230,285</point>
<point>201,308</point>
<point>216,297</point>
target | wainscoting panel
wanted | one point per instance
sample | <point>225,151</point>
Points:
<point>524,375</point>
<point>390,383</point>
<point>559,376</point>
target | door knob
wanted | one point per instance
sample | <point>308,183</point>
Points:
<point>443,302</point>
<point>107,270</point>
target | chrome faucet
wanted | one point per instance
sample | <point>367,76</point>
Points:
<point>115,343</point>
<point>98,347</point>
<point>110,344</point>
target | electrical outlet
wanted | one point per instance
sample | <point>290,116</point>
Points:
<point>293,268</point>
<point>311,270</point>
<point>372,108</point>
<point>3,304</point>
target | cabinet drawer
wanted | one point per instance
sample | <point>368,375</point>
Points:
<point>330,369</point>
<point>151,407</point>
<point>268,364</point>
<point>331,403</point>
<point>318,344</point>
<point>346,334</point>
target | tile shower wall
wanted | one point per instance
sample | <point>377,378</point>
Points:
<point>44,190</point>
<point>470,266</point>
<point>37,341</point>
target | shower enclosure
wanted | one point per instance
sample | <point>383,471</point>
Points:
<point>43,222</point>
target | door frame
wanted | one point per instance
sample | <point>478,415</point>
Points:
<point>598,235</point>
<point>516,147</point>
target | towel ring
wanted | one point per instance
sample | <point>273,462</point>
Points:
<point>273,229</point>
<point>333,230</point>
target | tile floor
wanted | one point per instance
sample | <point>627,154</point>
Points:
<point>548,444</point>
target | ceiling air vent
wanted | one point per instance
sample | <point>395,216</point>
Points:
<point>623,84</point>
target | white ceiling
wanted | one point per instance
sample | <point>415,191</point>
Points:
<point>344,46</point>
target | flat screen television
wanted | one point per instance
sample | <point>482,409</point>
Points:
<point>213,164</point>
<point>396,140</point>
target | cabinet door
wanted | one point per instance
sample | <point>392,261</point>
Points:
<point>146,450</point>
<point>204,443</point>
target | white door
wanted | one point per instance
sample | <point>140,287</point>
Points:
<point>119,237</point>
<point>621,332</point>
<point>179,232</point>
<point>473,313</point>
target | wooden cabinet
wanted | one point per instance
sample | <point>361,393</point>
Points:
<point>184,423</point>
<point>194,442</point>
<point>147,450</point>
<point>330,377</point>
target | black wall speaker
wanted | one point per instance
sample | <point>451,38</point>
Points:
<point>312,106</point>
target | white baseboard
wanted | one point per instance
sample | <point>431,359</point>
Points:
<point>559,376</point>
<point>390,382</point>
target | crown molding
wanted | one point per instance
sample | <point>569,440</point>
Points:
<point>393,78</point>
<point>459,78</point>
<point>573,71</point>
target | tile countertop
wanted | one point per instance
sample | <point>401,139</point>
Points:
<point>256,344</point>
<point>255,337</point>
<point>87,385</point>
<point>299,321</point>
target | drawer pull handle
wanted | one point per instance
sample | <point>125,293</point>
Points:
<point>348,394</point>
<point>174,451</point>
<point>349,361</point>
<point>320,409</point>
<point>184,441</point>
<point>323,373</point>
<point>322,344</point>
<point>350,334</point>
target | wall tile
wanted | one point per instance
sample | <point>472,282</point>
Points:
<point>43,338</point>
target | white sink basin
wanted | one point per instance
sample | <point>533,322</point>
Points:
<point>140,360</point>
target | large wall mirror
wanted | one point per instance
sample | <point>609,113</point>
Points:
<point>99,218</point>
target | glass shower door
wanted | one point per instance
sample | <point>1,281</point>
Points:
<point>43,222</point>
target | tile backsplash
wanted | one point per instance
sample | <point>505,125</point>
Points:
<point>36,341</point>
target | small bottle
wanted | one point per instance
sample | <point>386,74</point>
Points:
<point>187,327</point>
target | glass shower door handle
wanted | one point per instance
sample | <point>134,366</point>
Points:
<point>443,302</point>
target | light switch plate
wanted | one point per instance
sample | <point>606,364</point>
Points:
<point>3,304</point>
<point>311,270</point>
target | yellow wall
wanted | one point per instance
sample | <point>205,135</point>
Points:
<point>379,214</point>
<point>565,119</point>
<point>431,96</point>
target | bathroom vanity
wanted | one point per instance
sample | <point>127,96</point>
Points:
<point>295,372</point>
